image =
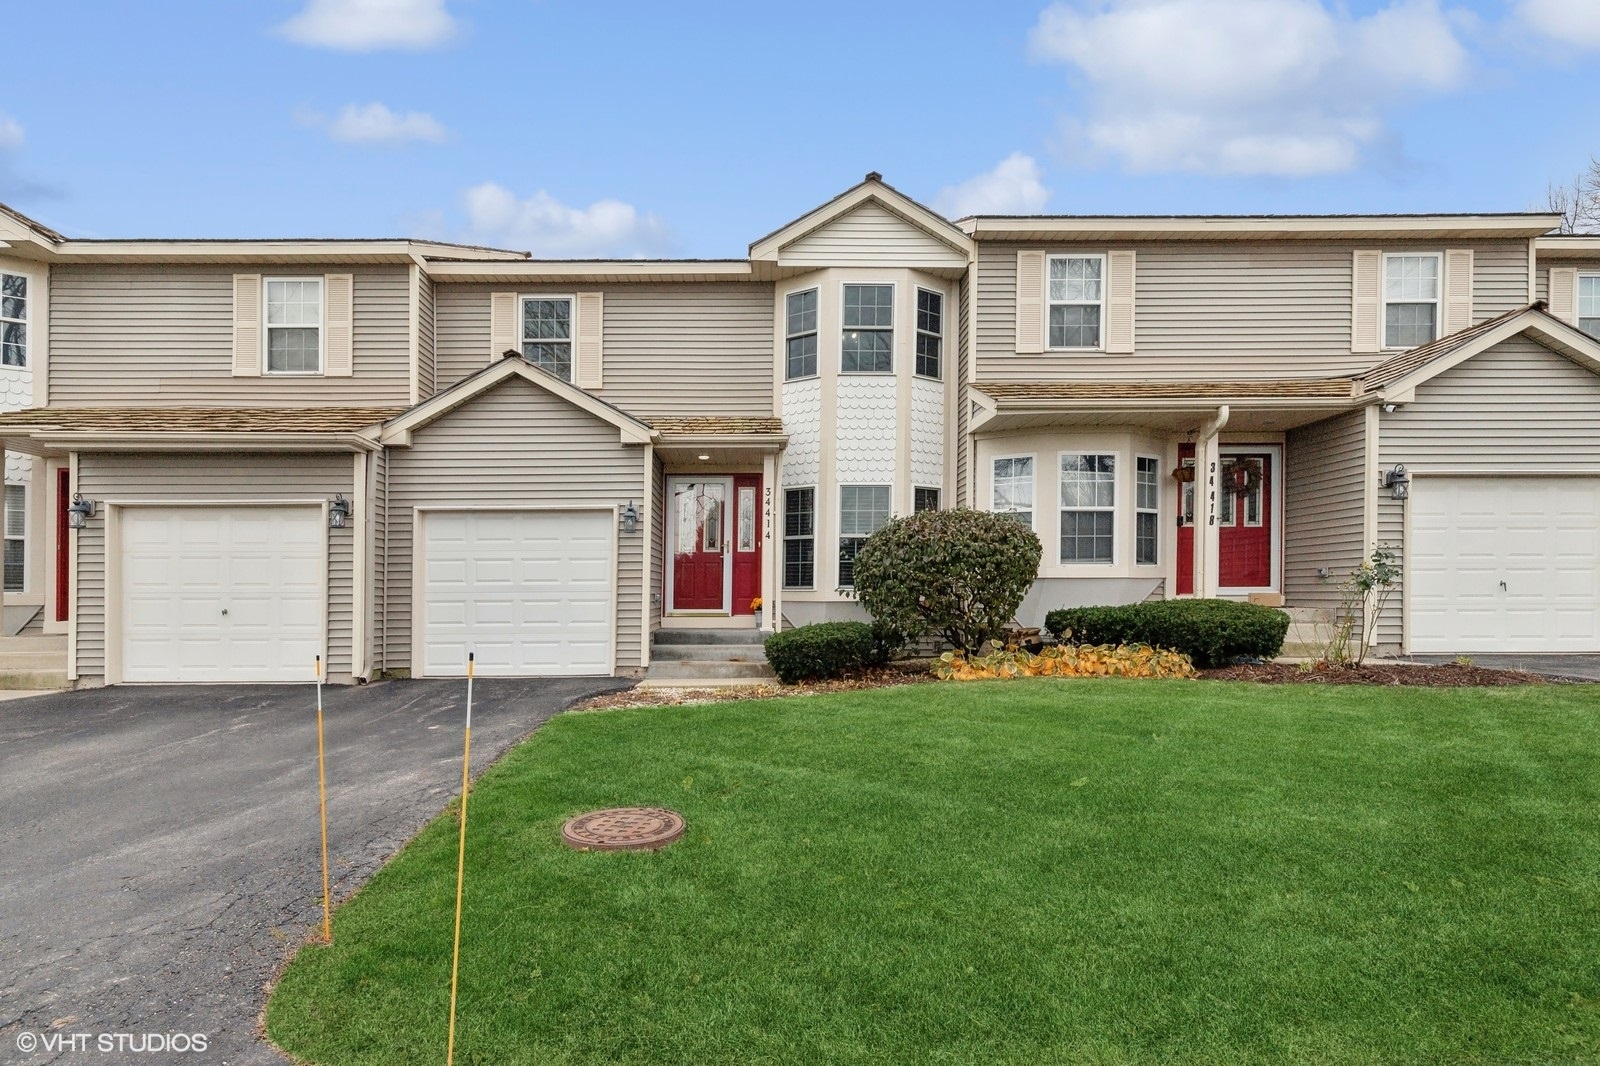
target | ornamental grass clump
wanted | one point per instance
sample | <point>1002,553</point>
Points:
<point>1064,660</point>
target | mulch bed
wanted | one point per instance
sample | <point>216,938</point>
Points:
<point>905,672</point>
<point>1449,675</point>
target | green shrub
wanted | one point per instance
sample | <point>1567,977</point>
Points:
<point>1211,632</point>
<point>824,651</point>
<point>959,575</point>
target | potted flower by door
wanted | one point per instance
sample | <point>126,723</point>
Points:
<point>755,611</point>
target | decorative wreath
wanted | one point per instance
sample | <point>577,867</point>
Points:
<point>1241,476</point>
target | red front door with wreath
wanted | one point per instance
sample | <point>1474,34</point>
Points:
<point>1244,522</point>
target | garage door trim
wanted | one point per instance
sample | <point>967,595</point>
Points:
<point>112,580</point>
<point>419,584</point>
<point>1441,473</point>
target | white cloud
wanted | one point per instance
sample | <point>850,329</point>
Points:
<point>550,229</point>
<point>370,25</point>
<point>1014,187</point>
<point>376,124</point>
<point>10,134</point>
<point>1573,22</point>
<point>1285,87</point>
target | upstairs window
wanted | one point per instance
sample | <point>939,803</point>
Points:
<point>800,329</point>
<point>930,332</point>
<point>1076,297</point>
<point>13,320</point>
<point>1147,509</point>
<point>1410,300</point>
<point>294,325</point>
<point>924,499</point>
<point>1088,508</point>
<point>863,510</point>
<point>868,344</point>
<point>1588,304</point>
<point>547,334</point>
<point>1012,491</point>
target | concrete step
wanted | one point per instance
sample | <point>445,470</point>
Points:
<point>32,660</point>
<point>672,637</point>
<point>38,680</point>
<point>680,669</point>
<point>729,653</point>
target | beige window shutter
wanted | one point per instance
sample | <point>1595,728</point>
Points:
<point>339,317</point>
<point>1119,302</point>
<point>246,325</point>
<point>1457,290</point>
<point>588,357</point>
<point>503,325</point>
<point>1564,293</point>
<point>1030,302</point>
<point>1366,326</point>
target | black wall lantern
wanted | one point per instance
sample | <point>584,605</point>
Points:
<point>630,518</point>
<point>79,513</point>
<point>338,512</point>
<point>1398,481</point>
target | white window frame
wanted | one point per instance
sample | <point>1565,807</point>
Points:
<point>815,331</point>
<point>812,537</point>
<point>267,327</point>
<point>1437,301</point>
<point>938,493</point>
<point>1577,302</point>
<point>1100,303</point>
<point>1062,508</point>
<point>572,318</point>
<point>20,538</point>
<point>1138,510</point>
<point>843,536</point>
<point>26,321</point>
<point>917,332</point>
<point>894,316</point>
<point>1033,487</point>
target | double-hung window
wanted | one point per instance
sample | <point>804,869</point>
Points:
<point>1088,508</point>
<point>1589,304</point>
<point>863,509</point>
<point>13,320</point>
<point>1146,509</point>
<point>1076,297</point>
<point>930,332</point>
<point>547,334</point>
<point>1012,491</point>
<point>16,528</point>
<point>1410,300</point>
<point>799,538</point>
<point>800,332</point>
<point>294,325</point>
<point>868,343</point>
<point>924,499</point>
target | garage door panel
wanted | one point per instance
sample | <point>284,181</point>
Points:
<point>1507,565</point>
<point>529,592</point>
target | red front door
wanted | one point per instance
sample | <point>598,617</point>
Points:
<point>63,541</point>
<point>746,537</point>
<point>700,544</point>
<point>1244,521</point>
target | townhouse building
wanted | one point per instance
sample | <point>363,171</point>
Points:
<point>237,455</point>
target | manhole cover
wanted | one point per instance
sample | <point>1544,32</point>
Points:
<point>623,828</point>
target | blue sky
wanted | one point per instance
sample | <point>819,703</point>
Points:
<point>691,129</point>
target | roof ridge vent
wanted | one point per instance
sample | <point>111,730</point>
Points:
<point>873,175</point>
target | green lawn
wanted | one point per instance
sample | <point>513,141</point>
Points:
<point>1011,872</point>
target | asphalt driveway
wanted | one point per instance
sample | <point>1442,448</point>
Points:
<point>159,853</point>
<point>1582,667</point>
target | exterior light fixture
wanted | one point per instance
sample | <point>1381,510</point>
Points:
<point>80,512</point>
<point>630,518</point>
<point>338,512</point>
<point>1398,481</point>
<point>704,458</point>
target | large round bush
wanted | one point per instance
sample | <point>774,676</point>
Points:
<point>959,575</point>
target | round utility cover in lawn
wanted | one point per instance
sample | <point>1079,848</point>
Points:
<point>623,829</point>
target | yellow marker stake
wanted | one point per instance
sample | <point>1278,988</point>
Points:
<point>322,799</point>
<point>461,867</point>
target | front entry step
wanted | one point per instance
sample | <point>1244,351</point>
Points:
<point>33,662</point>
<point>695,658</point>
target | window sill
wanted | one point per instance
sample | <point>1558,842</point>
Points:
<point>803,377</point>
<point>292,374</point>
<point>1097,348</point>
<point>866,373</point>
<point>929,377</point>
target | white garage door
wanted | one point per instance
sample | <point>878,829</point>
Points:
<point>528,591</point>
<point>1504,564</point>
<point>222,593</point>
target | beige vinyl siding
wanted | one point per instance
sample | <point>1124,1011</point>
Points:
<point>427,373</point>
<point>191,477</point>
<point>1517,406</point>
<point>871,235</point>
<point>514,446</point>
<point>1542,273</point>
<point>689,349</point>
<point>963,361</point>
<point>1323,508</point>
<point>140,335</point>
<point>1208,310</point>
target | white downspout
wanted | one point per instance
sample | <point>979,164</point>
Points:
<point>1207,556</point>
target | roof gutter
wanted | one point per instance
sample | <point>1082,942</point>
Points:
<point>48,439</point>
